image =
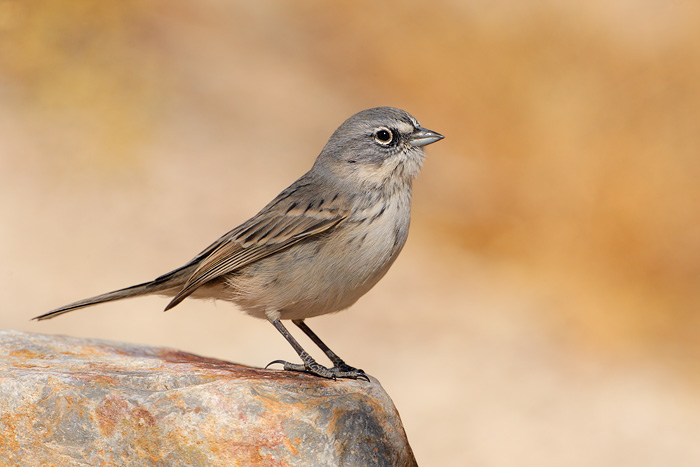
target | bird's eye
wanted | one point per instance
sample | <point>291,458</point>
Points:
<point>383,136</point>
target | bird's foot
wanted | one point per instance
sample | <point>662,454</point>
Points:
<point>312,367</point>
<point>343,367</point>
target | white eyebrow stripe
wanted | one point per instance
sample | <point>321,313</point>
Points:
<point>404,127</point>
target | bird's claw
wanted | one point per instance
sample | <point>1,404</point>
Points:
<point>314,368</point>
<point>275,361</point>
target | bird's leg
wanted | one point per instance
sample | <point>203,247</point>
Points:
<point>309,364</point>
<point>337,361</point>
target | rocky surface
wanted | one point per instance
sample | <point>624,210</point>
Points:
<point>67,401</point>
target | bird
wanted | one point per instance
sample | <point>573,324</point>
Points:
<point>318,246</point>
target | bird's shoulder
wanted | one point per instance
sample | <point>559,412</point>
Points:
<point>308,205</point>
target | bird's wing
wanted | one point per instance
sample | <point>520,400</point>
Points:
<point>281,224</point>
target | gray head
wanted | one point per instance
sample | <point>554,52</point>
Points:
<point>375,145</point>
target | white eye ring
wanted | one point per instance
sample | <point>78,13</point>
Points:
<point>383,136</point>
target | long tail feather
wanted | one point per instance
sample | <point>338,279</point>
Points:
<point>146,288</point>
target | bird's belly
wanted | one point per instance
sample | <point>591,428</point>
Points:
<point>320,276</point>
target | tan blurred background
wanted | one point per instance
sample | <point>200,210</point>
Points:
<point>546,309</point>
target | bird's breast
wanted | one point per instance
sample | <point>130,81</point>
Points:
<point>332,271</point>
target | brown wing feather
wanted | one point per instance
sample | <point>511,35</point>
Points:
<point>261,236</point>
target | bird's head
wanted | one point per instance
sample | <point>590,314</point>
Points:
<point>376,146</point>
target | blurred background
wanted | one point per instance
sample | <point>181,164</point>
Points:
<point>546,308</point>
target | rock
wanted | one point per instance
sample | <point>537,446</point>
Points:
<point>68,401</point>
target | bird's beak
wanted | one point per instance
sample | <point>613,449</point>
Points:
<point>423,137</point>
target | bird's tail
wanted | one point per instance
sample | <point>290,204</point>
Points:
<point>147,288</point>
